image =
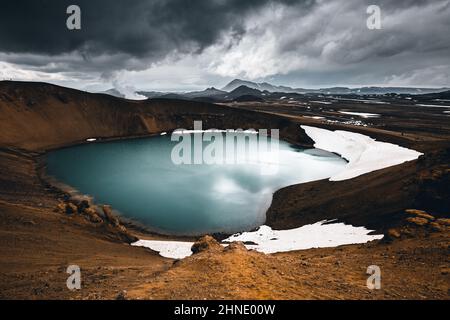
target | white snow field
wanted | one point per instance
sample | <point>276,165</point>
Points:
<point>317,235</point>
<point>361,114</point>
<point>363,153</point>
<point>168,249</point>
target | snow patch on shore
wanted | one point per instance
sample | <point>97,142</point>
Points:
<point>361,114</point>
<point>266,240</point>
<point>322,102</point>
<point>314,117</point>
<point>168,249</point>
<point>432,105</point>
<point>363,153</point>
<point>317,235</point>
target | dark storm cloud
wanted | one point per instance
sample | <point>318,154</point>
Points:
<point>304,41</point>
<point>149,28</point>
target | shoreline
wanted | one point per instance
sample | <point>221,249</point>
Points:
<point>134,225</point>
<point>265,240</point>
<point>145,231</point>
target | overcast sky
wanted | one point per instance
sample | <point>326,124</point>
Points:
<point>188,45</point>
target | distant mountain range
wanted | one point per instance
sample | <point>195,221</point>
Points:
<point>332,90</point>
<point>210,92</point>
<point>236,83</point>
<point>242,90</point>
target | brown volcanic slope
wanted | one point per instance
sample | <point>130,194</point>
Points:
<point>410,270</point>
<point>37,244</point>
<point>38,116</point>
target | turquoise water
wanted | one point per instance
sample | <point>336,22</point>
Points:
<point>138,178</point>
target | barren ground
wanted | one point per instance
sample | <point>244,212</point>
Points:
<point>37,243</point>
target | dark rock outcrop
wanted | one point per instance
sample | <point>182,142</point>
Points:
<point>206,243</point>
<point>236,246</point>
<point>109,216</point>
<point>92,215</point>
